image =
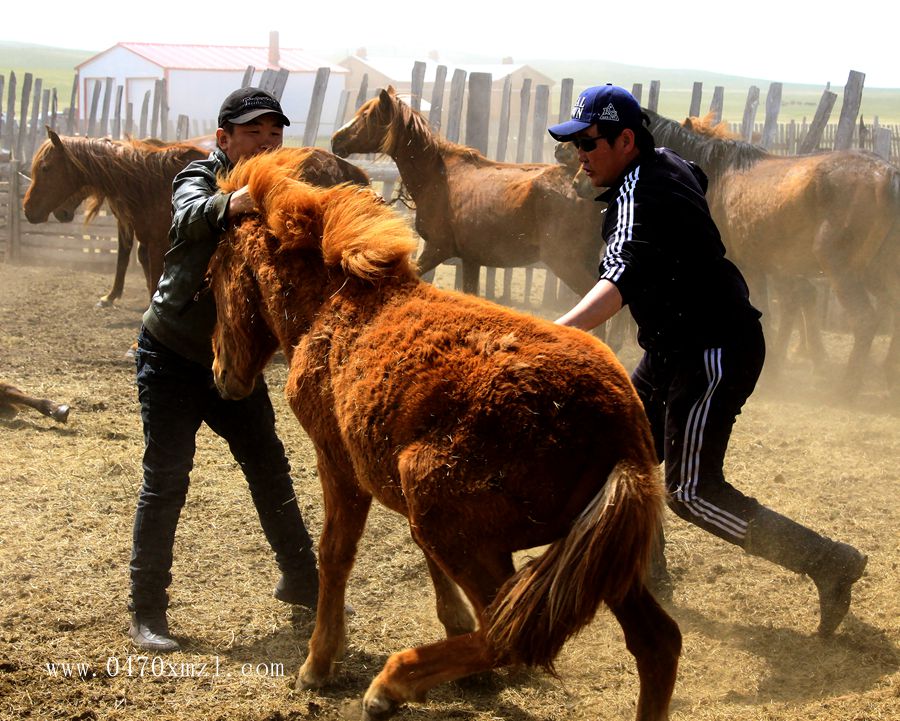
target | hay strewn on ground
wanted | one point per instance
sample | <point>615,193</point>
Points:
<point>67,496</point>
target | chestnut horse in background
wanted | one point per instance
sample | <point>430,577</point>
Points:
<point>133,176</point>
<point>490,430</point>
<point>502,215</point>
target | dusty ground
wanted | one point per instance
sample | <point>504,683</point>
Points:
<point>67,496</point>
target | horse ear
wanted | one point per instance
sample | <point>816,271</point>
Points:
<point>386,97</point>
<point>54,138</point>
<point>688,123</point>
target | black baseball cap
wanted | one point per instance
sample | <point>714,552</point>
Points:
<point>247,104</point>
<point>604,106</point>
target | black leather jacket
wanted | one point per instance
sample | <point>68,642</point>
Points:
<point>182,313</point>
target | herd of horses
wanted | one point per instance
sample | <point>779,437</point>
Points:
<point>478,423</point>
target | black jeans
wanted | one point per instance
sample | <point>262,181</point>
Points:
<point>176,396</point>
<point>692,399</point>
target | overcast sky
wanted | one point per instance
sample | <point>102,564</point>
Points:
<point>790,41</point>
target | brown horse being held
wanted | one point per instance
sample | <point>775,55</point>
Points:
<point>490,430</point>
<point>501,215</point>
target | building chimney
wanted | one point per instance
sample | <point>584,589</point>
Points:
<point>507,60</point>
<point>361,53</point>
<point>274,53</point>
<point>434,55</point>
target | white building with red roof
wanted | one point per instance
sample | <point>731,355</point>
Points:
<point>198,77</point>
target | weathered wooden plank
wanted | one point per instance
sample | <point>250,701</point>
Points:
<point>9,138</point>
<point>653,100</point>
<point>478,111</point>
<point>145,109</point>
<point>343,102</point>
<point>363,90</point>
<point>103,129</point>
<point>773,107</point>
<point>182,127</point>
<point>95,104</point>
<point>853,91</point>
<point>2,117</point>
<point>637,90</point>
<point>717,104</point>
<point>817,127</point>
<point>28,150</point>
<point>247,80</point>
<point>566,90</point>
<point>437,98</point>
<point>524,110</point>
<point>311,130</point>
<point>163,109</point>
<point>503,131</point>
<point>280,82</point>
<point>54,110</point>
<point>71,118</point>
<point>541,121</point>
<point>417,85</point>
<point>881,142</point>
<point>696,97</point>
<point>454,111</point>
<point>116,130</point>
<point>23,116</point>
<point>750,108</point>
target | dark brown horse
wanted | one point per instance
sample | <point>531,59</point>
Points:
<point>500,215</point>
<point>12,400</point>
<point>489,430</point>
<point>835,213</point>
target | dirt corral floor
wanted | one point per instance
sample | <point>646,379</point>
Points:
<point>67,498</point>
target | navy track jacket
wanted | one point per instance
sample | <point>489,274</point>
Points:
<point>666,257</point>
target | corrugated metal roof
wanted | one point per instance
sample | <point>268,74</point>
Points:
<point>223,57</point>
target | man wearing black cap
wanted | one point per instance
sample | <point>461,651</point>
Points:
<point>177,393</point>
<point>702,338</point>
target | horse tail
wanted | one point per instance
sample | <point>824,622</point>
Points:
<point>603,557</point>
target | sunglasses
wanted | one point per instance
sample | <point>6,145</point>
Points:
<point>587,144</point>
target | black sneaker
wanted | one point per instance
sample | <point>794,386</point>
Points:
<point>298,591</point>
<point>836,575</point>
<point>152,634</point>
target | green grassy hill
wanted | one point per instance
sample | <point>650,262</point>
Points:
<point>56,67</point>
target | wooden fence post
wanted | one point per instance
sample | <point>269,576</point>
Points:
<point>10,136</point>
<point>154,118</point>
<point>129,118</point>
<point>117,114</point>
<point>417,85</point>
<point>696,96</point>
<point>653,100</point>
<point>54,109</point>
<point>853,90</point>
<point>819,121</point>
<point>341,113</point>
<point>437,98</point>
<point>28,150</point>
<point>524,108</point>
<point>478,111</point>
<point>311,131</point>
<point>773,107</point>
<point>2,83</point>
<point>14,205</point>
<point>182,128</point>
<point>566,90</point>
<point>881,143</point>
<point>503,131</point>
<point>23,116</point>
<point>541,117</point>
<point>163,109</point>
<point>247,80</point>
<point>71,126</point>
<point>637,90</point>
<point>454,113</point>
<point>107,102</point>
<point>363,91</point>
<point>279,83</point>
<point>750,113</point>
<point>95,102</point>
<point>145,111</point>
<point>717,104</point>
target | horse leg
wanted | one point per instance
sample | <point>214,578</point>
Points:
<point>346,510</point>
<point>10,396</point>
<point>429,259</point>
<point>452,610</point>
<point>654,640</point>
<point>125,244</point>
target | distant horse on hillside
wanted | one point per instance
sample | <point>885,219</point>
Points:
<point>488,213</point>
<point>490,430</point>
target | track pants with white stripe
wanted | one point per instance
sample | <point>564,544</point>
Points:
<point>692,399</point>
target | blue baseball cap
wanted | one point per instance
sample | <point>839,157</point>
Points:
<point>602,105</point>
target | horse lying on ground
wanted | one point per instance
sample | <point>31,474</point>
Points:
<point>490,430</point>
<point>12,400</point>
<point>502,215</point>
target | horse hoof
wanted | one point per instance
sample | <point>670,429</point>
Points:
<point>307,679</point>
<point>377,706</point>
<point>104,302</point>
<point>61,414</point>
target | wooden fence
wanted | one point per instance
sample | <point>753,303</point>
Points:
<point>464,115</point>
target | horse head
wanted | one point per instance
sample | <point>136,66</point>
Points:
<point>56,184</point>
<point>368,130</point>
<point>243,342</point>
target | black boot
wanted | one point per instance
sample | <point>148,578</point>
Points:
<point>834,567</point>
<point>287,535</point>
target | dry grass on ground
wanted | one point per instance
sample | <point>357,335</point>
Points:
<point>67,496</point>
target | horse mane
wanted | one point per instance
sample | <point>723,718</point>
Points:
<point>405,122</point>
<point>132,171</point>
<point>715,155</point>
<point>706,126</point>
<point>349,224</point>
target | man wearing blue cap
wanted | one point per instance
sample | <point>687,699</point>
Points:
<point>702,338</point>
<point>177,393</point>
